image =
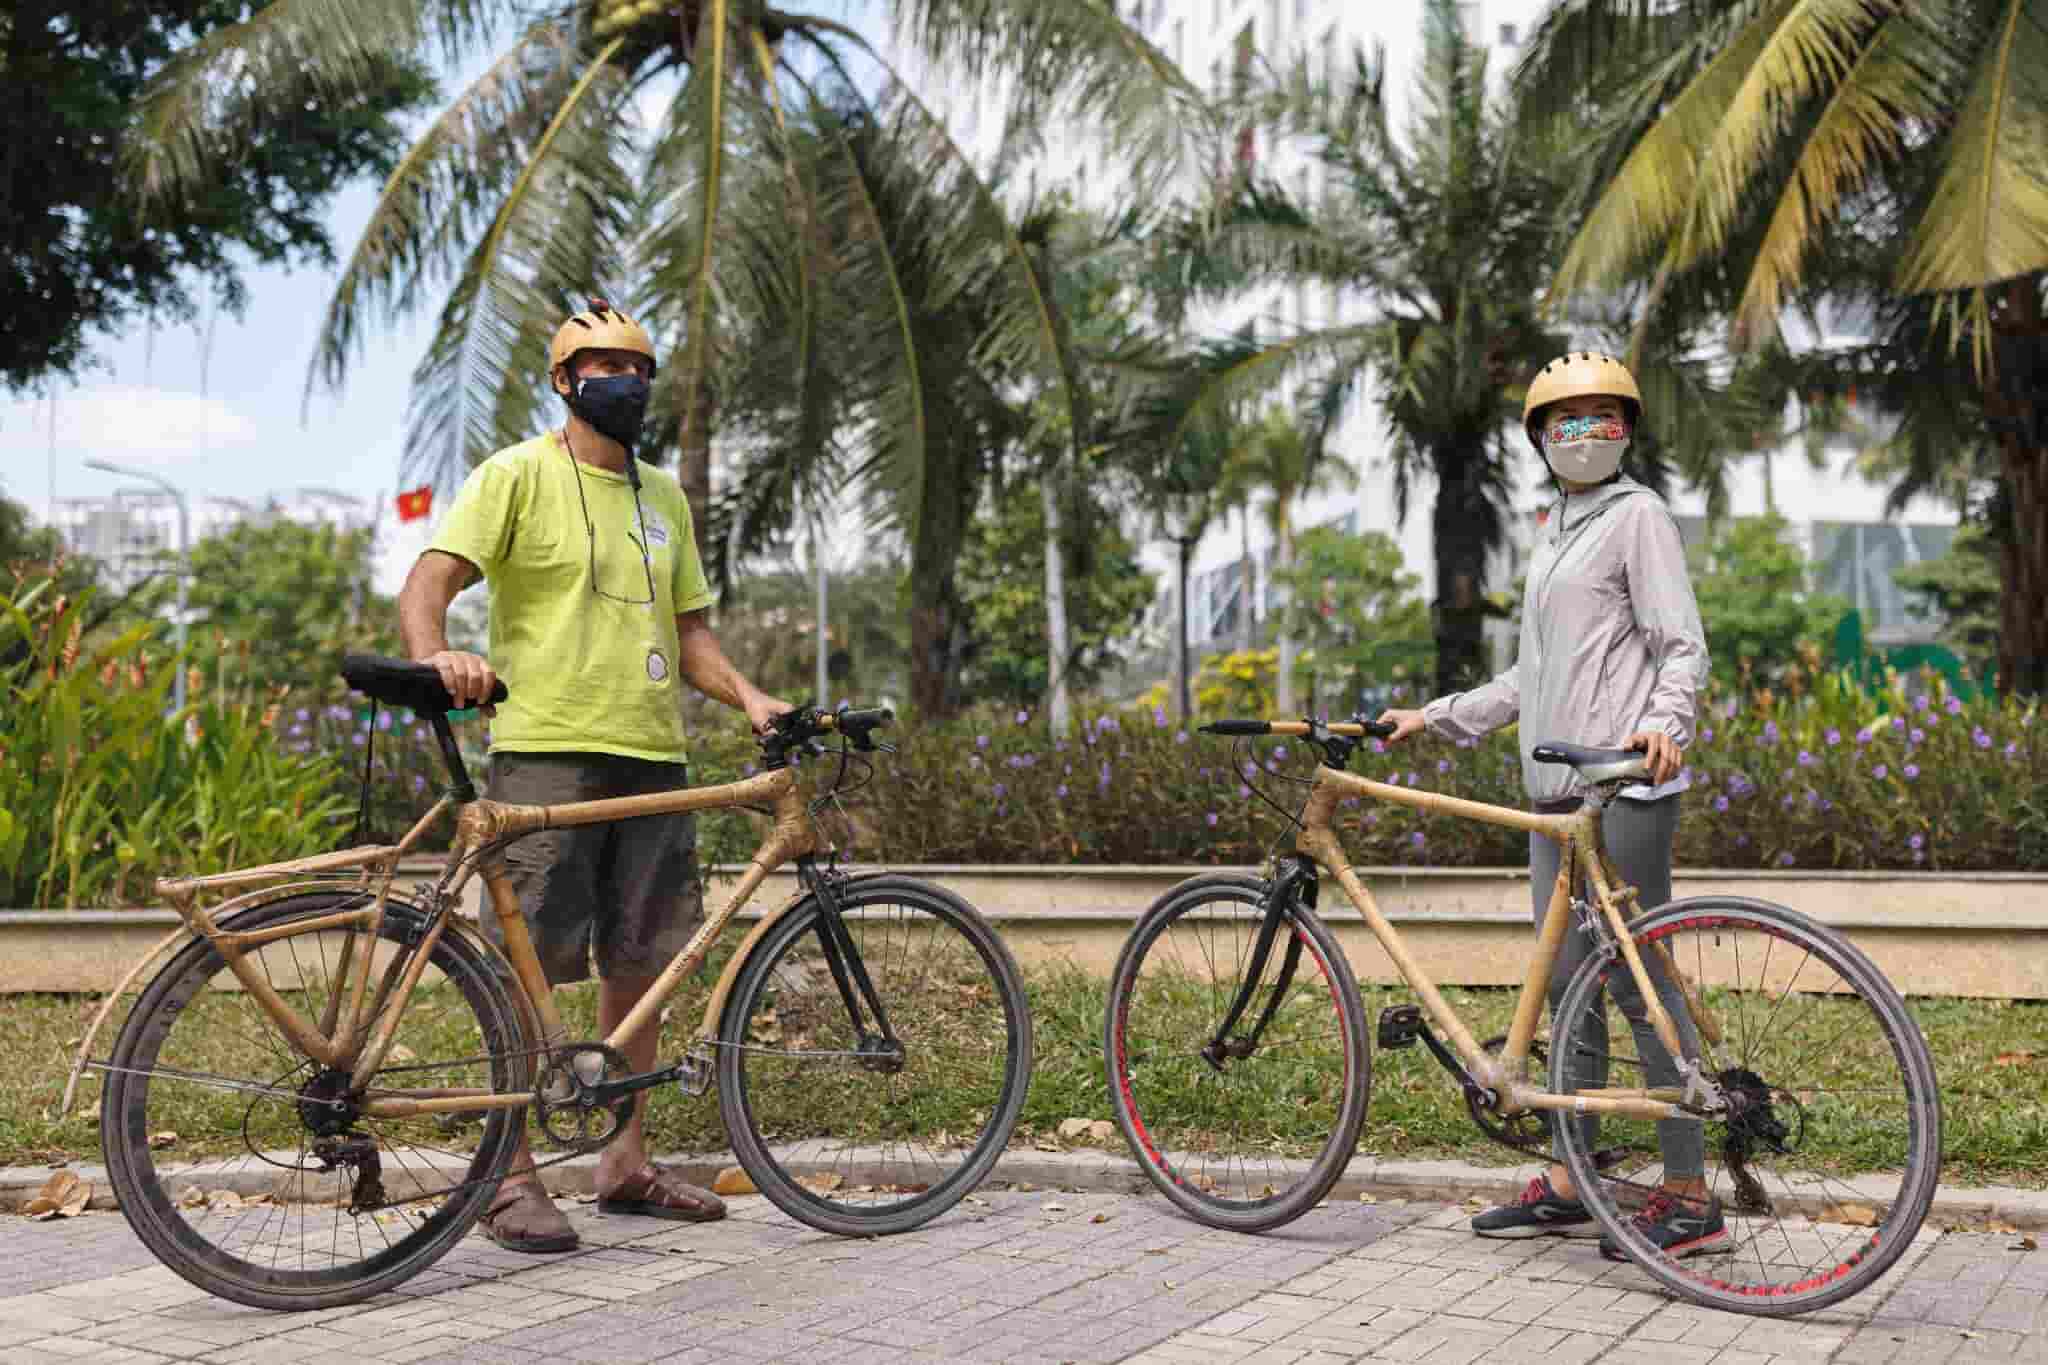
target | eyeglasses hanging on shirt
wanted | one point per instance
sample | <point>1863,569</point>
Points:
<point>590,530</point>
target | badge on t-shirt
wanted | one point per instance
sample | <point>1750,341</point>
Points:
<point>657,534</point>
<point>657,666</point>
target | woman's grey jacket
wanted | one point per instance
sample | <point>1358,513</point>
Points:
<point>1611,640</point>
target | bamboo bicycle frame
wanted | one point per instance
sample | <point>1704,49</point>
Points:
<point>1579,834</point>
<point>359,1041</point>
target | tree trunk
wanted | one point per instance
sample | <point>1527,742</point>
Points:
<point>1057,646</point>
<point>938,621</point>
<point>2014,401</point>
<point>1244,617</point>
<point>1183,710</point>
<point>1290,649</point>
<point>693,459</point>
<point>1458,524</point>
<point>823,680</point>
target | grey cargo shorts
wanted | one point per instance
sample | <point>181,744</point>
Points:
<point>626,892</point>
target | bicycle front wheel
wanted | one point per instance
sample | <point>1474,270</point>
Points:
<point>1821,1166</point>
<point>1252,1139</point>
<point>856,1128</point>
<point>247,1167</point>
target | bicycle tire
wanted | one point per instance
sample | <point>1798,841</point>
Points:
<point>176,1021</point>
<point>1801,1238</point>
<point>949,986</point>
<point>1166,1096</point>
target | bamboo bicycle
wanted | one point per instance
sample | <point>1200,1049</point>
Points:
<point>340,1035</point>
<point>1236,1050</point>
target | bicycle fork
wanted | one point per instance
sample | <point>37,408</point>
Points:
<point>879,1049</point>
<point>1294,877</point>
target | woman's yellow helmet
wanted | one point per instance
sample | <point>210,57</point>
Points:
<point>1578,374</point>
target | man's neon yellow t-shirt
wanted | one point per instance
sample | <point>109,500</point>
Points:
<point>585,670</point>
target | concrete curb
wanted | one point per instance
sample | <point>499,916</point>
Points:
<point>1095,1171</point>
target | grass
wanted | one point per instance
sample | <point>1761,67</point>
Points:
<point>1992,1057</point>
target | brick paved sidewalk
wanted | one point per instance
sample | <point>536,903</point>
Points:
<point>1013,1276</point>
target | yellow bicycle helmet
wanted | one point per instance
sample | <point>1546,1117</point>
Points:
<point>1576,375</point>
<point>601,327</point>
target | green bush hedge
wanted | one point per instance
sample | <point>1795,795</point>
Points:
<point>100,792</point>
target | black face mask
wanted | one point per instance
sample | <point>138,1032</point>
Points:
<point>613,404</point>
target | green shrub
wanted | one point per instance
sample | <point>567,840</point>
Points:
<point>103,789</point>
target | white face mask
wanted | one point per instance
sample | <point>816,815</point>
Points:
<point>1585,449</point>
<point>1587,461</point>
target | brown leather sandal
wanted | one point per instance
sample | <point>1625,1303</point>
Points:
<point>523,1218</point>
<point>657,1193</point>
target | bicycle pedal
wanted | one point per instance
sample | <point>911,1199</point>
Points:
<point>1400,1026</point>
<point>693,1075</point>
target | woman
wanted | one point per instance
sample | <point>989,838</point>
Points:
<point>1612,655</point>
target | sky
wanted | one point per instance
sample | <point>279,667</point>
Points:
<point>227,418</point>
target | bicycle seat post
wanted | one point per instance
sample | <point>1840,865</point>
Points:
<point>463,792</point>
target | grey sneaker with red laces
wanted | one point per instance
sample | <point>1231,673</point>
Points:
<point>1676,1226</point>
<point>1540,1212</point>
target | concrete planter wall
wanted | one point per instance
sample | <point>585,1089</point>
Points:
<point>1966,934</point>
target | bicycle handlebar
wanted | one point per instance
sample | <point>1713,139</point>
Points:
<point>1352,729</point>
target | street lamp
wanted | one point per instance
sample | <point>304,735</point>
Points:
<point>184,557</point>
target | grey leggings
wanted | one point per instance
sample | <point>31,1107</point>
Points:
<point>1638,836</point>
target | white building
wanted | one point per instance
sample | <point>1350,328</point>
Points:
<point>135,533</point>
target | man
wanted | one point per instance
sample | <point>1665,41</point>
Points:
<point>598,604</point>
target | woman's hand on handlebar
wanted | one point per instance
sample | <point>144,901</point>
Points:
<point>1405,723</point>
<point>469,678</point>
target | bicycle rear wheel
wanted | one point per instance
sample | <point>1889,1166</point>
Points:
<point>1825,1163</point>
<point>837,1127</point>
<point>1254,1141</point>
<point>242,1163</point>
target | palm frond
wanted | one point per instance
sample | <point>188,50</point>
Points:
<point>1066,62</point>
<point>429,209</point>
<point>197,110</point>
<point>1987,218</point>
<point>1649,200</point>
<point>1888,85</point>
<point>554,238</point>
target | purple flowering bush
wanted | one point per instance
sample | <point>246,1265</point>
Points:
<point>1834,779</point>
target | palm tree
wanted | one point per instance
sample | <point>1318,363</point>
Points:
<point>1278,461</point>
<point>1758,141</point>
<point>1445,234</point>
<point>536,187</point>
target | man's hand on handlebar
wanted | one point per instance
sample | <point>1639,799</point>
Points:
<point>469,678</point>
<point>1405,723</point>
<point>762,709</point>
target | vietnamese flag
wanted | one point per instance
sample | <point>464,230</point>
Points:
<point>416,504</point>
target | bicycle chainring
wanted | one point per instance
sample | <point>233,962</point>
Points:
<point>1527,1132</point>
<point>564,1098</point>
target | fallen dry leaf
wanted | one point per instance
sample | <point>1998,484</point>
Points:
<point>1073,1128</point>
<point>824,1182</point>
<point>1100,1218</point>
<point>1044,1146</point>
<point>1054,1208</point>
<point>63,1195</point>
<point>401,1053</point>
<point>2025,1244</point>
<point>733,1180</point>
<point>2012,1059</point>
<point>1367,1197</point>
<point>1855,1215</point>
<point>159,1141</point>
